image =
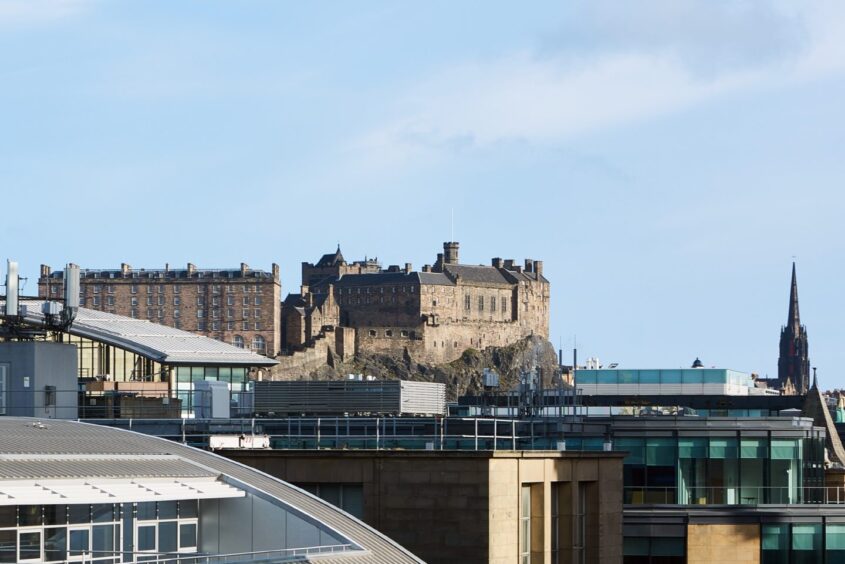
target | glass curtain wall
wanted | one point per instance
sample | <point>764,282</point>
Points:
<point>712,470</point>
<point>649,470</point>
<point>97,359</point>
<point>803,543</point>
<point>186,376</point>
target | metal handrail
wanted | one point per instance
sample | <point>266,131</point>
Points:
<point>733,495</point>
<point>206,558</point>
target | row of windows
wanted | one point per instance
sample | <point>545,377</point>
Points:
<point>367,300</point>
<point>202,325</point>
<point>380,290</point>
<point>201,313</point>
<point>258,343</point>
<point>492,301</point>
<point>391,333</point>
<point>55,289</point>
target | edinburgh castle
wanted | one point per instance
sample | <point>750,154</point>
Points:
<point>433,315</point>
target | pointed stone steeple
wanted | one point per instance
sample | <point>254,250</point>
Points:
<point>794,361</point>
<point>794,318</point>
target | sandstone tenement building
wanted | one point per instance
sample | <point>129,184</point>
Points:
<point>435,314</point>
<point>238,306</point>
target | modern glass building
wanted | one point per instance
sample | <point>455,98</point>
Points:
<point>120,355</point>
<point>724,468</point>
<point>717,381</point>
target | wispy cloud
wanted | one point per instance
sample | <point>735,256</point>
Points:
<point>648,67</point>
<point>29,12</point>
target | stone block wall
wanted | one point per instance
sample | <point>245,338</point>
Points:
<point>727,544</point>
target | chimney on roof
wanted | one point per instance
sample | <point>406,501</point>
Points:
<point>191,269</point>
<point>529,265</point>
<point>426,268</point>
<point>244,268</point>
<point>498,263</point>
<point>125,268</point>
<point>450,252</point>
<point>166,266</point>
<point>538,268</point>
<point>276,271</point>
<point>408,268</point>
<point>45,271</point>
<point>509,264</point>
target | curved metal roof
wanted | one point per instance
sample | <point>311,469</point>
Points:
<point>159,343</point>
<point>49,445</point>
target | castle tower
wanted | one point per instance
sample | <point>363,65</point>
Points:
<point>794,362</point>
<point>450,252</point>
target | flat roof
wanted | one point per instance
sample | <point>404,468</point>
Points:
<point>160,343</point>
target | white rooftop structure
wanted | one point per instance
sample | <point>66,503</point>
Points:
<point>160,343</point>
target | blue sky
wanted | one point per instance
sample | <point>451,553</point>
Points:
<point>665,159</point>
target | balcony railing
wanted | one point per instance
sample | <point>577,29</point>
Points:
<point>734,495</point>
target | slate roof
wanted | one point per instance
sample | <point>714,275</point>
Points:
<point>479,274</point>
<point>331,259</point>
<point>397,278</point>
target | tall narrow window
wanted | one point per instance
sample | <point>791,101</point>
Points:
<point>525,525</point>
<point>579,532</point>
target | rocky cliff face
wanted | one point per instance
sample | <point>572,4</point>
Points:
<point>461,376</point>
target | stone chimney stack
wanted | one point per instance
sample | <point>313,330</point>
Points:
<point>426,268</point>
<point>509,264</point>
<point>191,269</point>
<point>450,252</point>
<point>276,271</point>
<point>538,268</point>
<point>244,268</point>
<point>408,268</point>
<point>498,263</point>
<point>529,265</point>
<point>45,271</point>
<point>125,268</point>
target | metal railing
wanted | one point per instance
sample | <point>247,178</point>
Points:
<point>734,495</point>
<point>278,555</point>
<point>368,433</point>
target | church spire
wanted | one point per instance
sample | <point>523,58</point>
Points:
<point>794,318</point>
<point>794,361</point>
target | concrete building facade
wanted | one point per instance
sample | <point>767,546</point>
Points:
<point>237,306</point>
<point>530,507</point>
<point>434,314</point>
